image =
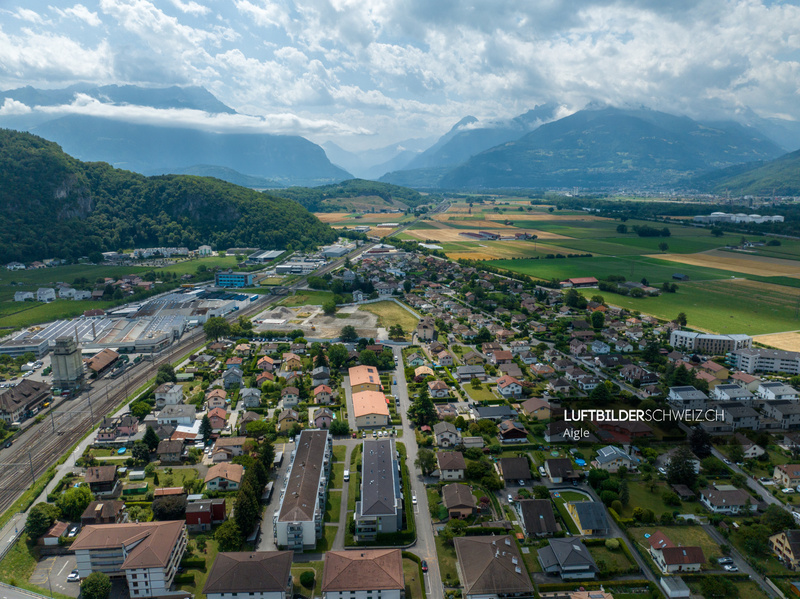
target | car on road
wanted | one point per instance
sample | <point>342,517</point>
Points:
<point>796,515</point>
<point>8,444</point>
<point>727,461</point>
<point>414,499</point>
<point>722,561</point>
<point>424,566</point>
<point>730,568</point>
<point>510,498</point>
<point>73,576</point>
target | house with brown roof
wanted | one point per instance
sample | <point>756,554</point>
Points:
<point>257,574</point>
<point>536,407</point>
<point>290,397</point>
<point>18,401</point>
<point>559,470</point>
<point>536,517</point>
<point>671,558</point>
<point>786,475</point>
<point>147,554</point>
<point>103,512</point>
<point>515,471</point>
<point>438,389</point>
<point>102,480</point>
<point>287,419</point>
<point>203,514</point>
<point>726,499</point>
<point>100,363</point>
<point>458,500</point>
<point>786,546</point>
<point>451,465</point>
<point>224,477</point>
<point>370,409</point>
<point>169,451</point>
<point>491,567</point>
<point>363,574</point>
<point>323,394</point>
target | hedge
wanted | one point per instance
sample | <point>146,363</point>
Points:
<point>595,585</point>
<point>185,578</point>
<point>195,563</point>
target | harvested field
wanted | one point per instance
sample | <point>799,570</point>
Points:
<point>751,265</point>
<point>493,250</point>
<point>789,341</point>
<point>446,234</point>
<point>543,216</point>
<point>376,231</point>
<point>314,322</point>
<point>337,217</point>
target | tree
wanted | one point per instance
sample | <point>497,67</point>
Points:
<point>40,518</point>
<point>348,334</point>
<point>426,461</point>
<point>74,502</point>
<point>598,320</point>
<point>166,374</point>
<point>95,257</point>
<point>776,519</point>
<point>96,586</point>
<point>256,428</point>
<point>681,468</point>
<point>700,442</point>
<point>246,509</point>
<point>756,539</point>
<point>307,579</point>
<point>216,327</point>
<point>140,409</point>
<point>624,492</point>
<point>681,319</point>
<point>422,410</point>
<point>340,427</point>
<point>266,454</point>
<point>541,492</point>
<point>205,428</point>
<point>368,358</point>
<point>663,246</point>
<point>337,355</point>
<point>329,307</point>
<point>151,438</point>
<point>140,452</point>
<point>717,232</point>
<point>228,536</point>
<point>601,393</point>
<point>718,587</point>
<point>169,507</point>
<point>622,229</point>
<point>736,452</point>
<point>396,332</point>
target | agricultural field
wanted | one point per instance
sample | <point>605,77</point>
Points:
<point>755,291</point>
<point>390,314</point>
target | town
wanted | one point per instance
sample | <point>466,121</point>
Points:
<point>440,432</point>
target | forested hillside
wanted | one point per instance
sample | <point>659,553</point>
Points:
<point>52,205</point>
<point>324,198</point>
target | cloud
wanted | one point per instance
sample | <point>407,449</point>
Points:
<point>276,123</point>
<point>25,14</point>
<point>12,107</point>
<point>190,7</point>
<point>80,12</point>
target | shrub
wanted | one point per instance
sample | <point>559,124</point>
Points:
<point>307,579</point>
<point>612,544</point>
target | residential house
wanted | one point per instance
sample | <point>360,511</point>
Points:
<point>266,364</point>
<point>501,357</point>
<point>203,514</point>
<point>772,390</point>
<point>446,435</point>
<point>726,499</point>
<point>426,329</point>
<point>147,554</point>
<point>257,574</point>
<point>671,558</point>
<point>363,574</point>
<point>169,452</point>
<point>559,385</point>
<point>536,517</point>
<point>495,413</point>
<point>438,389</point>
<point>732,393</point>
<point>739,416</point>
<point>102,480</point>
<point>611,458</point>
<point>322,418</point>
<point>466,373</point>
<point>224,477</point>
<point>218,418</point>
<point>509,386</point>
<point>458,500</point>
<point>104,512</point>
<point>786,475</point>
<point>422,372</point>
<point>217,402</point>
<point>287,419</point>
<point>785,412</point>
<point>687,397</point>
<point>569,558</point>
<point>232,378</point>
<point>515,471</point>
<point>250,397</point>
<point>786,546</point>
<point>291,362</point>
<point>560,470</point>
<point>589,516</point>
<point>536,407</point>
<point>233,446</point>
<point>472,358</point>
<point>444,358</point>
<point>290,397</point>
<point>415,360</point>
<point>234,362</point>
<point>364,378</point>
<point>46,295</point>
<point>490,567</point>
<point>321,375</point>
<point>750,449</point>
<point>370,409</point>
<point>451,465</point>
<point>511,431</point>
<point>323,394</point>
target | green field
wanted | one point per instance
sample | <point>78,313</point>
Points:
<point>307,298</point>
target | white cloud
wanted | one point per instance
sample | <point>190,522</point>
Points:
<point>80,12</point>
<point>25,14</point>
<point>12,107</point>
<point>190,7</point>
<point>282,122</point>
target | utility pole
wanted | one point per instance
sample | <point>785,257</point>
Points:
<point>91,411</point>
<point>53,421</point>
<point>30,460</point>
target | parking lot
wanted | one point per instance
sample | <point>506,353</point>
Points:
<point>51,573</point>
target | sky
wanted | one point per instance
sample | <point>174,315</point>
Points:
<point>367,73</point>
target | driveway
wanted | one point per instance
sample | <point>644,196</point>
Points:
<point>51,573</point>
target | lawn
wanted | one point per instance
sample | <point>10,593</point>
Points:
<point>411,574</point>
<point>565,516</point>
<point>20,562</point>
<point>339,453</point>
<point>176,479</point>
<point>307,297</point>
<point>688,536</point>
<point>298,569</point>
<point>640,496</point>
<point>337,474</point>
<point>531,560</point>
<point>483,394</point>
<point>201,575</point>
<point>333,506</point>
<point>390,314</point>
<point>329,534</point>
<point>447,562</point>
<point>614,560</point>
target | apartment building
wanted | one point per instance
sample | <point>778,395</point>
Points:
<point>380,509</point>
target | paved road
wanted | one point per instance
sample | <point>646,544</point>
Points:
<point>425,547</point>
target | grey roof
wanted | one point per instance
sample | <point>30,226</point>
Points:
<point>537,516</point>
<point>687,392</point>
<point>457,495</point>
<point>444,427</point>
<point>492,412</point>
<point>380,486</point>
<point>734,391</point>
<point>178,411</point>
<point>571,553</point>
<point>302,484</point>
<point>610,453</point>
<point>491,565</point>
<point>515,468</point>
<point>476,369</point>
<point>591,514</point>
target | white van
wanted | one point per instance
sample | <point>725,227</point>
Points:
<point>346,475</point>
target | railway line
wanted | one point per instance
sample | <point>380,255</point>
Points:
<point>42,445</point>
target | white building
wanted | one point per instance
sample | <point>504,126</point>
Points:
<point>45,294</point>
<point>751,360</point>
<point>708,343</point>
<point>168,394</point>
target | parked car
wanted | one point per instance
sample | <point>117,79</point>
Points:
<point>787,490</point>
<point>730,568</point>
<point>510,498</point>
<point>766,481</point>
<point>72,531</point>
<point>521,483</point>
<point>424,566</point>
<point>73,576</point>
<point>663,470</point>
<point>722,561</point>
<point>542,471</point>
<point>414,499</point>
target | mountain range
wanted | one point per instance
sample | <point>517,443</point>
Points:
<point>157,149</point>
<point>53,205</point>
